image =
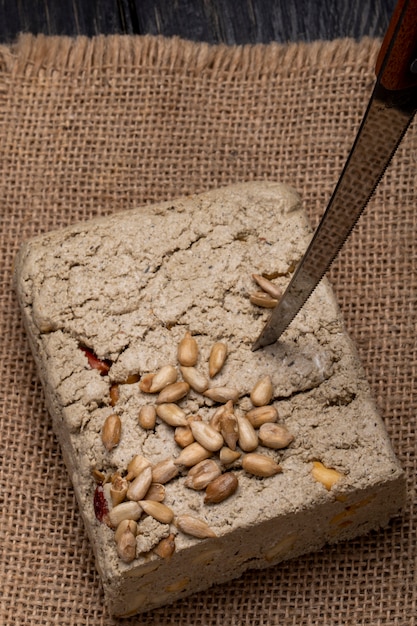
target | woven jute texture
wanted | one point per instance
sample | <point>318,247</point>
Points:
<point>91,127</point>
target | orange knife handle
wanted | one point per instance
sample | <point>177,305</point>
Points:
<point>396,66</point>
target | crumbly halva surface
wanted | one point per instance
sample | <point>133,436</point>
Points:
<point>122,292</point>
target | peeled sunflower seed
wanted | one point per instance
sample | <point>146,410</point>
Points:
<point>126,546</point>
<point>126,510</point>
<point>192,454</point>
<point>262,415</point>
<point>248,438</point>
<point>281,547</point>
<point>161,512</point>
<point>260,298</point>
<point>207,436</point>
<point>189,434</point>
<point>217,358</point>
<point>221,488</point>
<point>183,436</point>
<point>114,394</point>
<point>164,471</point>
<point>177,585</point>
<point>194,378</point>
<point>118,489</point>
<point>194,526</point>
<point>172,414</point>
<point>146,382</point>
<point>228,456</point>
<point>266,285</point>
<point>147,417</point>
<point>111,431</point>
<point>165,376</point>
<point>202,474</point>
<point>229,429</point>
<point>140,485</point>
<point>131,378</point>
<point>261,393</point>
<point>136,466</point>
<point>260,465</point>
<point>166,547</point>
<point>218,413</point>
<point>173,392</point>
<point>274,436</point>
<point>222,394</point>
<point>325,475</point>
<point>98,476</point>
<point>126,524</point>
<point>156,492</point>
<point>187,352</point>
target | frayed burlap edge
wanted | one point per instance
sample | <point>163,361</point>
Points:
<point>32,55</point>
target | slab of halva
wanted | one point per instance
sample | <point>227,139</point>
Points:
<point>128,287</point>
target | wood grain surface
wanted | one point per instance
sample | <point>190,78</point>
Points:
<point>213,21</point>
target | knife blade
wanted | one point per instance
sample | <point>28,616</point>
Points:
<point>389,113</point>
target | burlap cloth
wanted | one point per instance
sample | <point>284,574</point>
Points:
<point>91,127</point>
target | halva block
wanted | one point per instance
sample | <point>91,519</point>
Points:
<point>192,457</point>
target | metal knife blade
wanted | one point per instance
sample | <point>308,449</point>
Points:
<point>390,111</point>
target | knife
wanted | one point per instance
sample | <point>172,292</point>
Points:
<point>390,111</point>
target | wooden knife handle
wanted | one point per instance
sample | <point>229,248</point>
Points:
<point>396,66</point>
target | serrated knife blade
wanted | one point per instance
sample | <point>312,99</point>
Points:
<point>389,113</point>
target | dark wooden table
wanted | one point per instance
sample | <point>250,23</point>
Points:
<point>213,21</point>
